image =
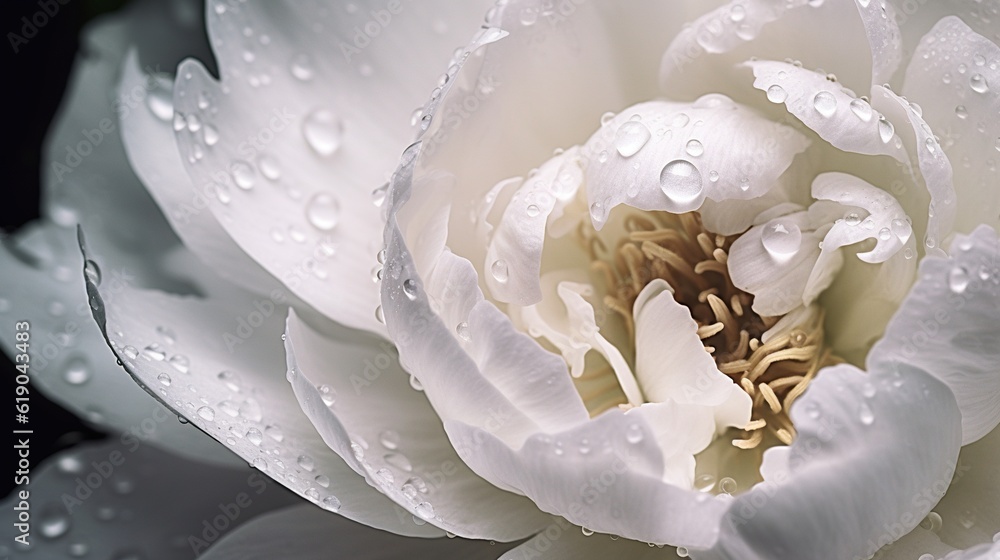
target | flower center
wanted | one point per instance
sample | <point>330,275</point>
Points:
<point>774,367</point>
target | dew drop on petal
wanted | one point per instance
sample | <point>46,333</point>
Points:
<point>425,510</point>
<point>885,129</point>
<point>631,137</point>
<point>302,67</point>
<point>978,83</point>
<point>323,211</point>
<point>243,174</point>
<point>254,436</point>
<point>323,131</point>
<point>462,329</point>
<point>861,109</point>
<point>77,372</point>
<point>164,379</point>
<point>681,181</point>
<point>694,148</point>
<point>958,279</point>
<point>704,483</point>
<point>500,271</point>
<point>727,485</point>
<point>331,503</point>
<point>825,103</point>
<point>865,414</point>
<point>776,94</point>
<point>781,238</point>
<point>207,412</point>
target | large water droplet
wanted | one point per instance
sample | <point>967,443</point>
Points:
<point>323,211</point>
<point>704,483</point>
<point>958,279</point>
<point>160,102</point>
<point>681,181</point>
<point>92,272</point>
<point>866,415</point>
<point>825,103</point>
<point>54,524</point>
<point>76,372</point>
<point>978,83</point>
<point>164,379</point>
<point>207,412</point>
<point>331,503</point>
<point>694,148</point>
<point>302,67</point>
<point>500,271</point>
<point>781,238</point>
<point>254,436</point>
<point>631,137</point>
<point>776,94</point>
<point>243,174</point>
<point>323,131</point>
<point>885,129</point>
<point>425,510</point>
<point>861,109</point>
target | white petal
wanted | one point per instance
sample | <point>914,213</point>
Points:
<point>779,280</point>
<point>963,117</point>
<point>562,541</point>
<point>70,362</point>
<point>948,326</point>
<point>882,30</point>
<point>884,216</point>
<point>829,108</point>
<point>301,138</point>
<point>148,139</point>
<point>305,533</point>
<point>562,473</point>
<point>933,163</point>
<point>971,508</point>
<point>702,56</point>
<point>116,498</point>
<point>520,237</point>
<point>224,374</point>
<point>354,390</point>
<point>863,470</point>
<point>671,362</point>
<point>693,154</point>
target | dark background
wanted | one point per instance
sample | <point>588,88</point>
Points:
<point>34,80</point>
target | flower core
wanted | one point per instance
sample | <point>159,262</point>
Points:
<point>774,368</point>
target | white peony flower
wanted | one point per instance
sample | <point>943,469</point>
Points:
<point>636,281</point>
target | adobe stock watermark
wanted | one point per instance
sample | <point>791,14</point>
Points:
<point>367,32</point>
<point>229,513</point>
<point>31,25</point>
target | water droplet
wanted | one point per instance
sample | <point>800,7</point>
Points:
<point>885,129</point>
<point>868,390</point>
<point>410,288</point>
<point>155,352</point>
<point>243,174</point>
<point>776,94</point>
<point>302,67</point>
<point>680,120</point>
<point>737,13</point>
<point>727,485</point>
<point>323,211</point>
<point>902,229</point>
<point>380,315</point>
<point>160,102</point>
<point>631,137</point>
<point>93,272</point>
<point>399,461</point>
<point>54,523</point>
<point>164,379</point>
<point>415,383</point>
<point>586,532</point>
<point>230,380</point>
<point>254,436</point>
<point>323,131</point>
<point>499,270</point>
<point>865,414</point>
<point>179,362</point>
<point>260,464</point>
<point>813,410</point>
<point>704,483</point>
<point>130,352</point>
<point>978,83</point>
<point>958,279</point>
<point>694,148</point>
<point>274,432</point>
<point>861,109</point>
<point>78,550</point>
<point>681,182</point>
<point>76,372</point>
<point>633,434</point>
<point>463,331</point>
<point>385,476</point>
<point>331,503</point>
<point>425,510</point>
<point>207,412</point>
<point>825,103</point>
<point>781,238</point>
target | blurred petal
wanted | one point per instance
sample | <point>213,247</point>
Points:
<point>354,390</point>
<point>305,533</point>
<point>562,541</point>
<point>970,511</point>
<point>949,326</point>
<point>114,499</point>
